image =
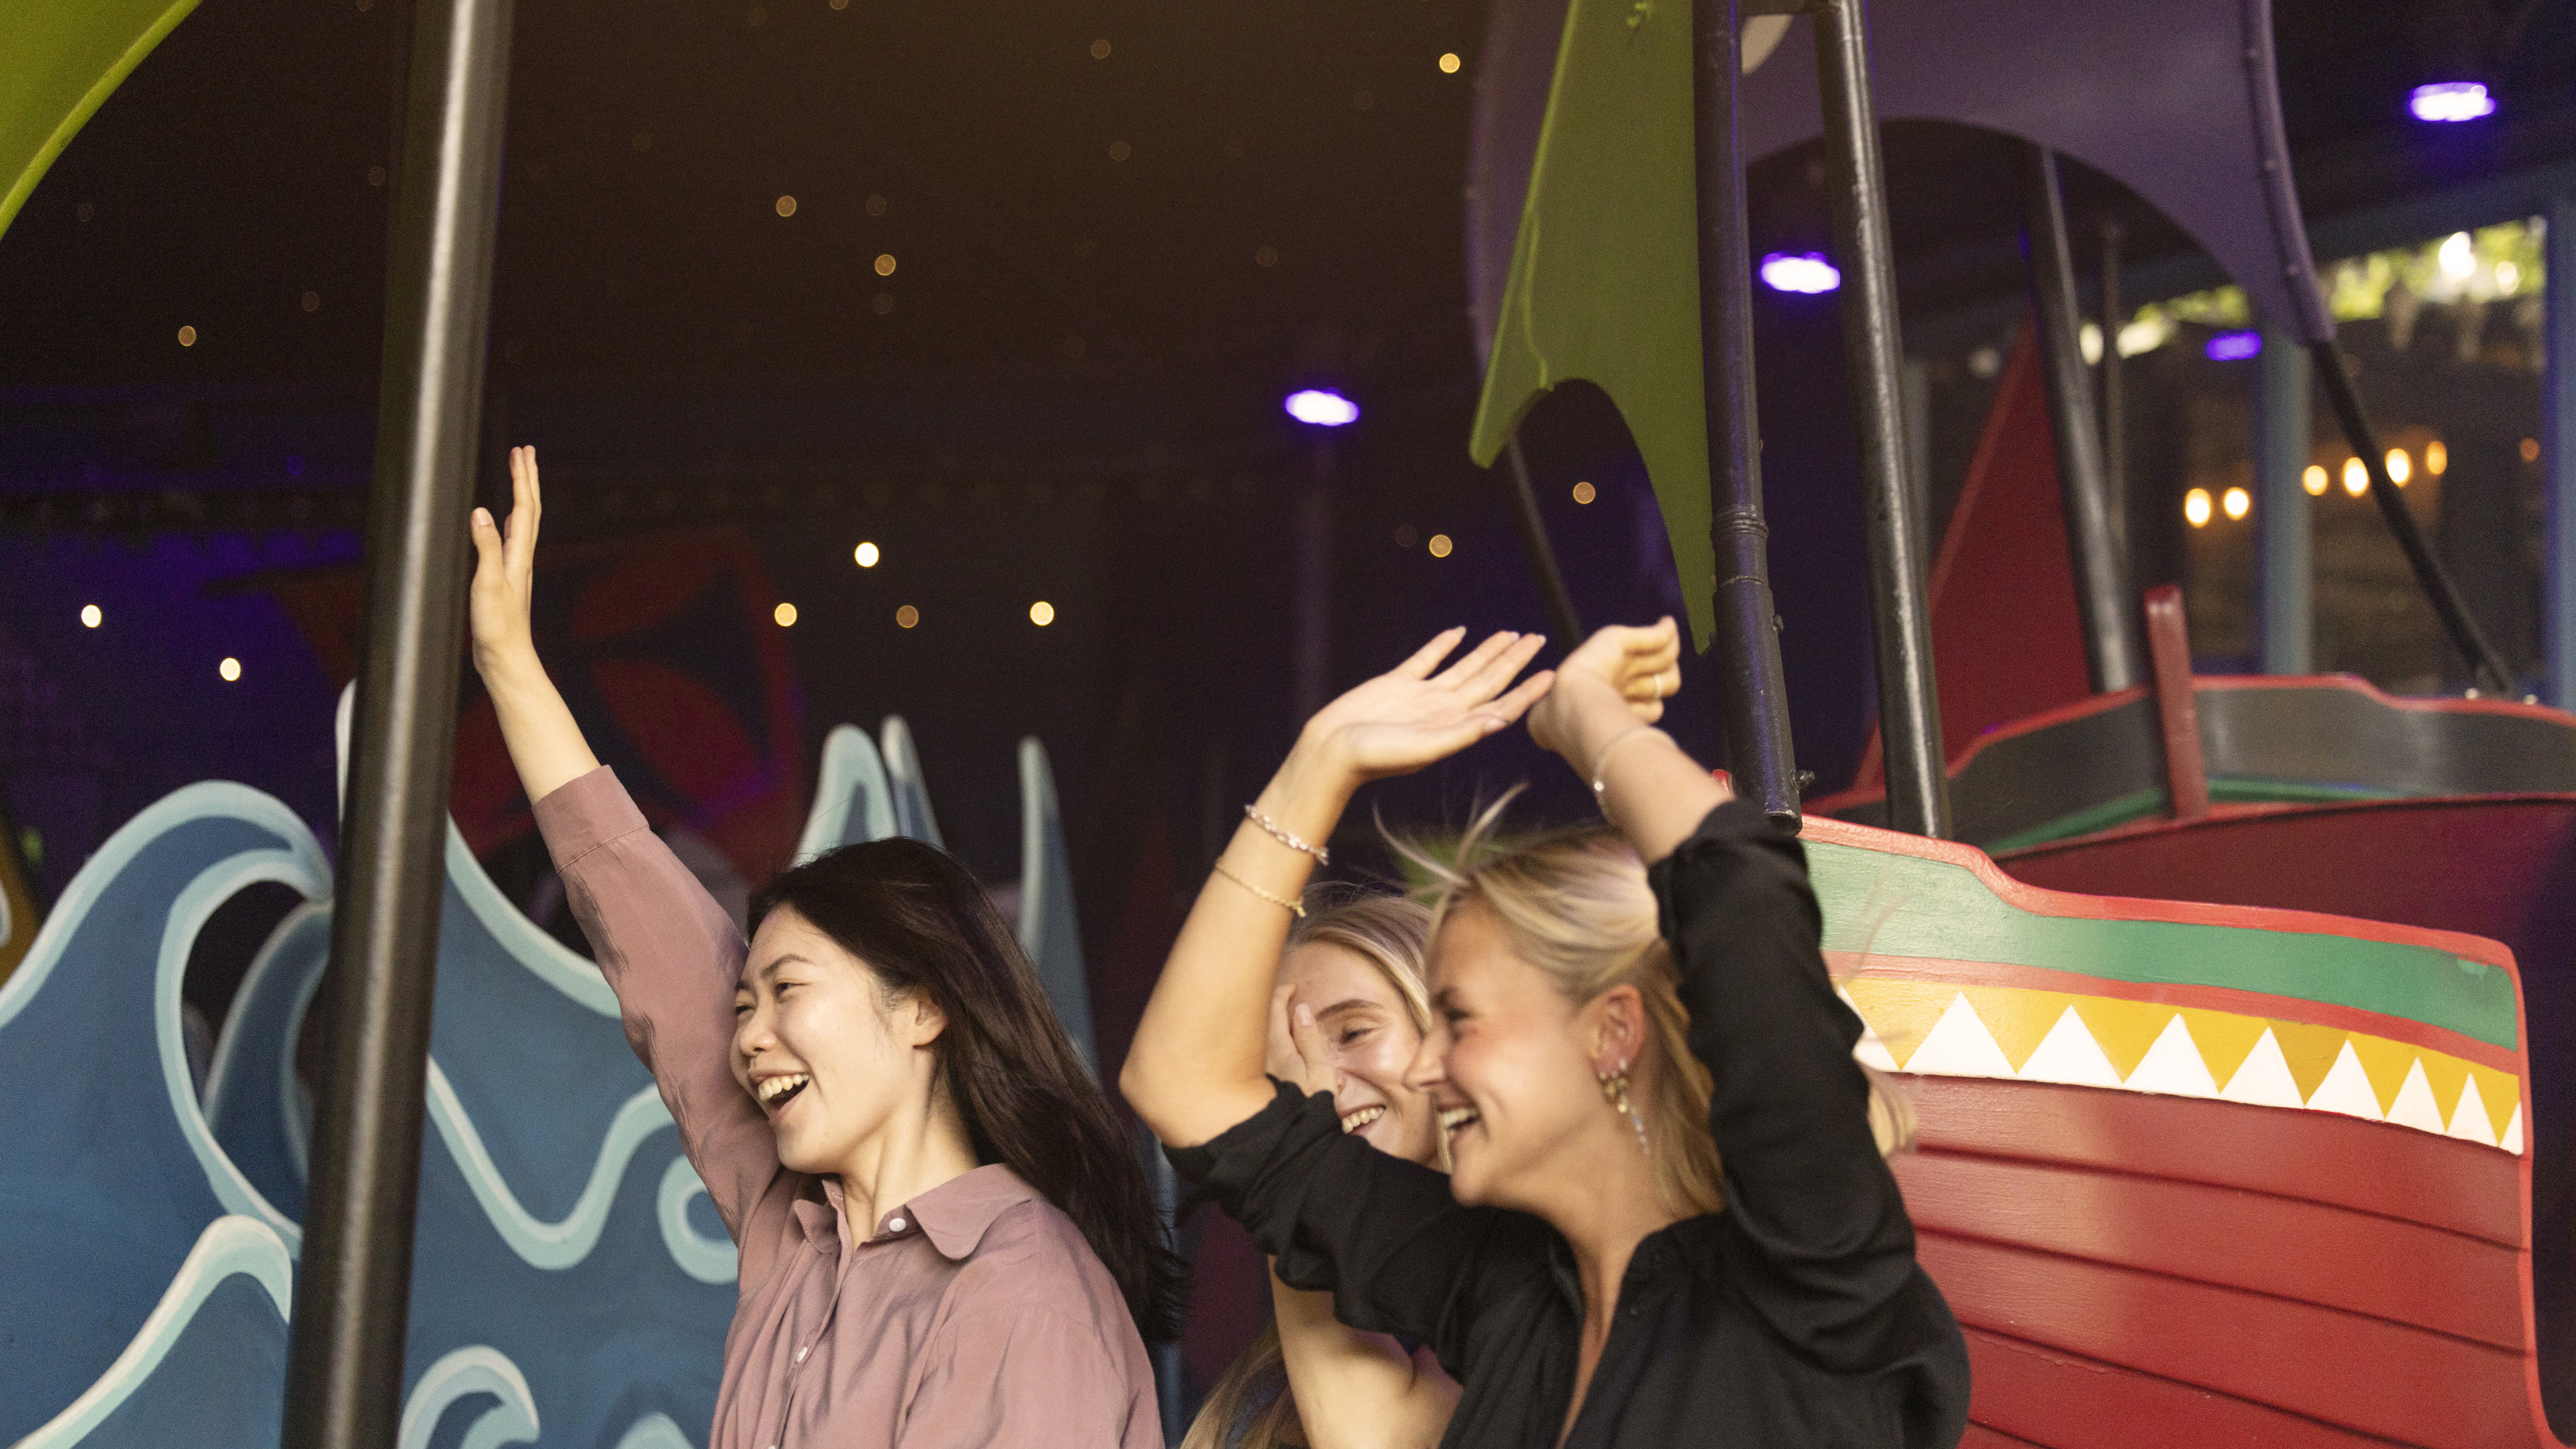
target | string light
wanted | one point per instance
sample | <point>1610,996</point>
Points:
<point>785,614</point>
<point>1322,407</point>
<point>2530,450</point>
<point>1100,50</point>
<point>2236,502</point>
<point>187,336</point>
<point>230,669</point>
<point>1439,545</point>
<point>1585,492</point>
<point>787,206</point>
<point>2400,467</point>
<point>2450,101</point>
<point>2316,482</point>
<point>1267,256</point>
<point>865,555</point>
<point>90,616</point>
<point>906,617</point>
<point>1449,62</point>
<point>2356,477</point>
<point>1804,272</point>
<point>2437,458</point>
<point>885,264</point>
<point>2195,508</point>
<point>1041,613</point>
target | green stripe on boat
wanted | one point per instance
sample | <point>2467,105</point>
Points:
<point>1899,905</point>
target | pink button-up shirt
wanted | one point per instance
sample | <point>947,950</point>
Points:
<point>975,1314</point>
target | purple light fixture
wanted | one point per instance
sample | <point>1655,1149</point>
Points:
<point>1322,407</point>
<point>2451,101</point>
<point>2234,346</point>
<point>1805,272</point>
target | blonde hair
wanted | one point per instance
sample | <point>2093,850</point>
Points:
<point>1575,903</point>
<point>1250,1406</point>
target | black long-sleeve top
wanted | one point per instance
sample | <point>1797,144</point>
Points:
<point>1796,1316</point>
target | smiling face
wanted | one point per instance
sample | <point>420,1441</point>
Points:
<point>817,1045</point>
<point>1373,1041</point>
<point>1507,1064</point>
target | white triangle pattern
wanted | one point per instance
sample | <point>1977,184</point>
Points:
<point>2069,1054</point>
<point>2347,1089</point>
<point>1960,1046</point>
<point>2173,1065</point>
<point>2415,1106</point>
<point>2469,1119</point>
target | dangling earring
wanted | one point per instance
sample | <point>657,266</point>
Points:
<point>1614,1088</point>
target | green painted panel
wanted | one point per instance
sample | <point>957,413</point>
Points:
<point>1605,272</point>
<point>1899,905</point>
<point>59,60</point>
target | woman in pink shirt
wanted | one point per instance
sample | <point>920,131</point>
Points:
<point>945,1237</point>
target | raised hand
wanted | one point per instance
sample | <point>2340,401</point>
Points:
<point>504,568</point>
<point>1636,667</point>
<point>1411,716</point>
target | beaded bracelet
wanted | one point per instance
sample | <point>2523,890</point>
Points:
<point>1284,836</point>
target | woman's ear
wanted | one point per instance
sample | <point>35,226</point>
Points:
<point>922,1019</point>
<point>1618,1028</point>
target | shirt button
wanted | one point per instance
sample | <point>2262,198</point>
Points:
<point>895,1224</point>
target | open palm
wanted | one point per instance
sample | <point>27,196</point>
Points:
<point>1410,717</point>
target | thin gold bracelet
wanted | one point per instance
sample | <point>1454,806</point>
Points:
<point>1601,786</point>
<point>1292,907</point>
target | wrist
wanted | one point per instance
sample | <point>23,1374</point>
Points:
<point>1310,790</point>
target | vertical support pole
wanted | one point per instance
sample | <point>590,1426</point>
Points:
<point>2112,650</point>
<point>2114,402</point>
<point>2284,571</point>
<point>1755,696</point>
<point>1312,644</point>
<point>2177,704</point>
<point>2558,456</point>
<point>1539,553</point>
<point>352,1299</point>
<point>1909,701</point>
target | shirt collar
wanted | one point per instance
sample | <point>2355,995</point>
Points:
<point>953,1216</point>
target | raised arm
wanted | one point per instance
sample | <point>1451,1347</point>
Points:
<point>1195,1067</point>
<point>668,950</point>
<point>1829,1248</point>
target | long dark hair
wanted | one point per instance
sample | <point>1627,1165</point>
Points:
<point>922,922</point>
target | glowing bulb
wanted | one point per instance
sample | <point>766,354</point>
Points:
<point>90,616</point>
<point>2400,467</point>
<point>885,264</point>
<point>2458,256</point>
<point>2315,481</point>
<point>2436,458</point>
<point>1322,407</point>
<point>1449,62</point>
<point>1041,613</point>
<point>2450,101</point>
<point>1439,545</point>
<point>1803,272</point>
<point>1100,50</point>
<point>2237,502</point>
<point>865,555</point>
<point>230,669</point>
<point>2234,346</point>
<point>2356,477</point>
<point>187,336</point>
<point>1585,493</point>
<point>2508,277</point>
<point>2195,507</point>
<point>787,206</point>
<point>906,617</point>
<point>785,614</point>
<point>2531,450</point>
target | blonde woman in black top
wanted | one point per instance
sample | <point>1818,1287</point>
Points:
<point>1669,1221</point>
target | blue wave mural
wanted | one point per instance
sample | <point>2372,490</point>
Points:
<point>571,1281</point>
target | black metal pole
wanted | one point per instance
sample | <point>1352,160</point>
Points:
<point>2485,665</point>
<point>2114,648</point>
<point>2115,410</point>
<point>1754,703</point>
<point>345,1367</point>
<point>1540,553</point>
<point>1909,699</point>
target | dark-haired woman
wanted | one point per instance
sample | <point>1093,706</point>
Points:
<point>944,1238</point>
